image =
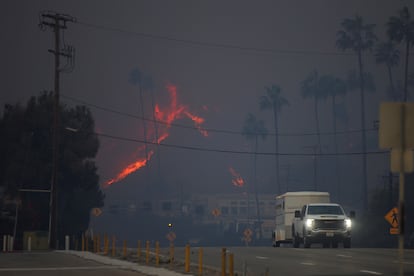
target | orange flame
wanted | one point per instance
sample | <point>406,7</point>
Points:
<point>237,180</point>
<point>167,115</point>
<point>131,168</point>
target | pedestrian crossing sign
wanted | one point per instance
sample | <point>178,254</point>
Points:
<point>392,217</point>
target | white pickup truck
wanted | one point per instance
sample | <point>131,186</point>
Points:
<point>324,223</point>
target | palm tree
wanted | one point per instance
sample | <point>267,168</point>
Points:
<point>148,85</point>
<point>273,100</point>
<point>310,88</point>
<point>334,87</point>
<point>136,78</point>
<point>388,55</point>
<point>358,37</point>
<point>401,28</point>
<point>254,129</point>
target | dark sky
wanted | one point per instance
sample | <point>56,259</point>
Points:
<point>221,84</point>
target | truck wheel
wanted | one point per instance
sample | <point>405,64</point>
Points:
<point>296,241</point>
<point>295,238</point>
<point>347,243</point>
<point>277,244</point>
<point>306,242</point>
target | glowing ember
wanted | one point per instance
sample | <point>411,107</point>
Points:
<point>167,116</point>
<point>237,180</point>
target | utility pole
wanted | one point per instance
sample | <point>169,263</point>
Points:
<point>57,22</point>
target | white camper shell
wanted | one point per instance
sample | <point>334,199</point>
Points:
<point>286,205</point>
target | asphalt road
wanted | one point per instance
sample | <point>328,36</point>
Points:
<point>313,261</point>
<point>253,261</point>
<point>54,263</point>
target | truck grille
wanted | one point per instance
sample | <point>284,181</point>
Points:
<point>331,224</point>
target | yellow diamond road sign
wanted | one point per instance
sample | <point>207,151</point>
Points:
<point>216,212</point>
<point>392,217</point>
<point>96,212</point>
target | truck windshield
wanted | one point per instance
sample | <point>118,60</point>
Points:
<point>325,210</point>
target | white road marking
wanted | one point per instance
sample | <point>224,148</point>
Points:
<point>307,263</point>
<point>405,262</point>
<point>371,272</point>
<point>344,256</point>
<point>261,258</point>
<point>57,268</point>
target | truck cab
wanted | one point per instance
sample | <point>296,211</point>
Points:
<point>324,223</point>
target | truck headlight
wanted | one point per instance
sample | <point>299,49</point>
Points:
<point>348,223</point>
<point>309,223</point>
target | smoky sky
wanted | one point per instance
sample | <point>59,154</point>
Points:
<point>220,55</point>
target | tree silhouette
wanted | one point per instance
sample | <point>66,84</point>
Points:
<point>274,101</point>
<point>26,140</point>
<point>148,85</point>
<point>254,129</point>
<point>136,77</point>
<point>334,87</point>
<point>310,88</point>
<point>358,37</point>
<point>401,28</point>
<point>387,54</point>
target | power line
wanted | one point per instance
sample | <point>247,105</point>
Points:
<point>231,151</point>
<point>213,44</point>
<point>214,130</point>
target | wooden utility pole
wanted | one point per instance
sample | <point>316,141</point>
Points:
<point>57,22</point>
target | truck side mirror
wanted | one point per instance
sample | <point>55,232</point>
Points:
<point>352,214</point>
<point>297,214</point>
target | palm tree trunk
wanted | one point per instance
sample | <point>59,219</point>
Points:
<point>141,99</point>
<point>391,83</point>
<point>338,179</point>
<point>363,136</point>
<point>318,132</point>
<point>156,131</point>
<point>277,150</point>
<point>256,192</point>
<point>318,150</point>
<point>407,54</point>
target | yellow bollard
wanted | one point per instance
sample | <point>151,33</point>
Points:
<point>113,246</point>
<point>231,264</point>
<point>200,261</point>
<point>139,250</point>
<point>157,253</point>
<point>93,244</point>
<point>171,253</point>
<point>98,244</point>
<point>187,258</point>
<point>124,250</point>
<point>147,252</point>
<point>223,261</point>
<point>83,243</point>
<point>106,244</point>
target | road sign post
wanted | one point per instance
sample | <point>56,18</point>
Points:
<point>397,133</point>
